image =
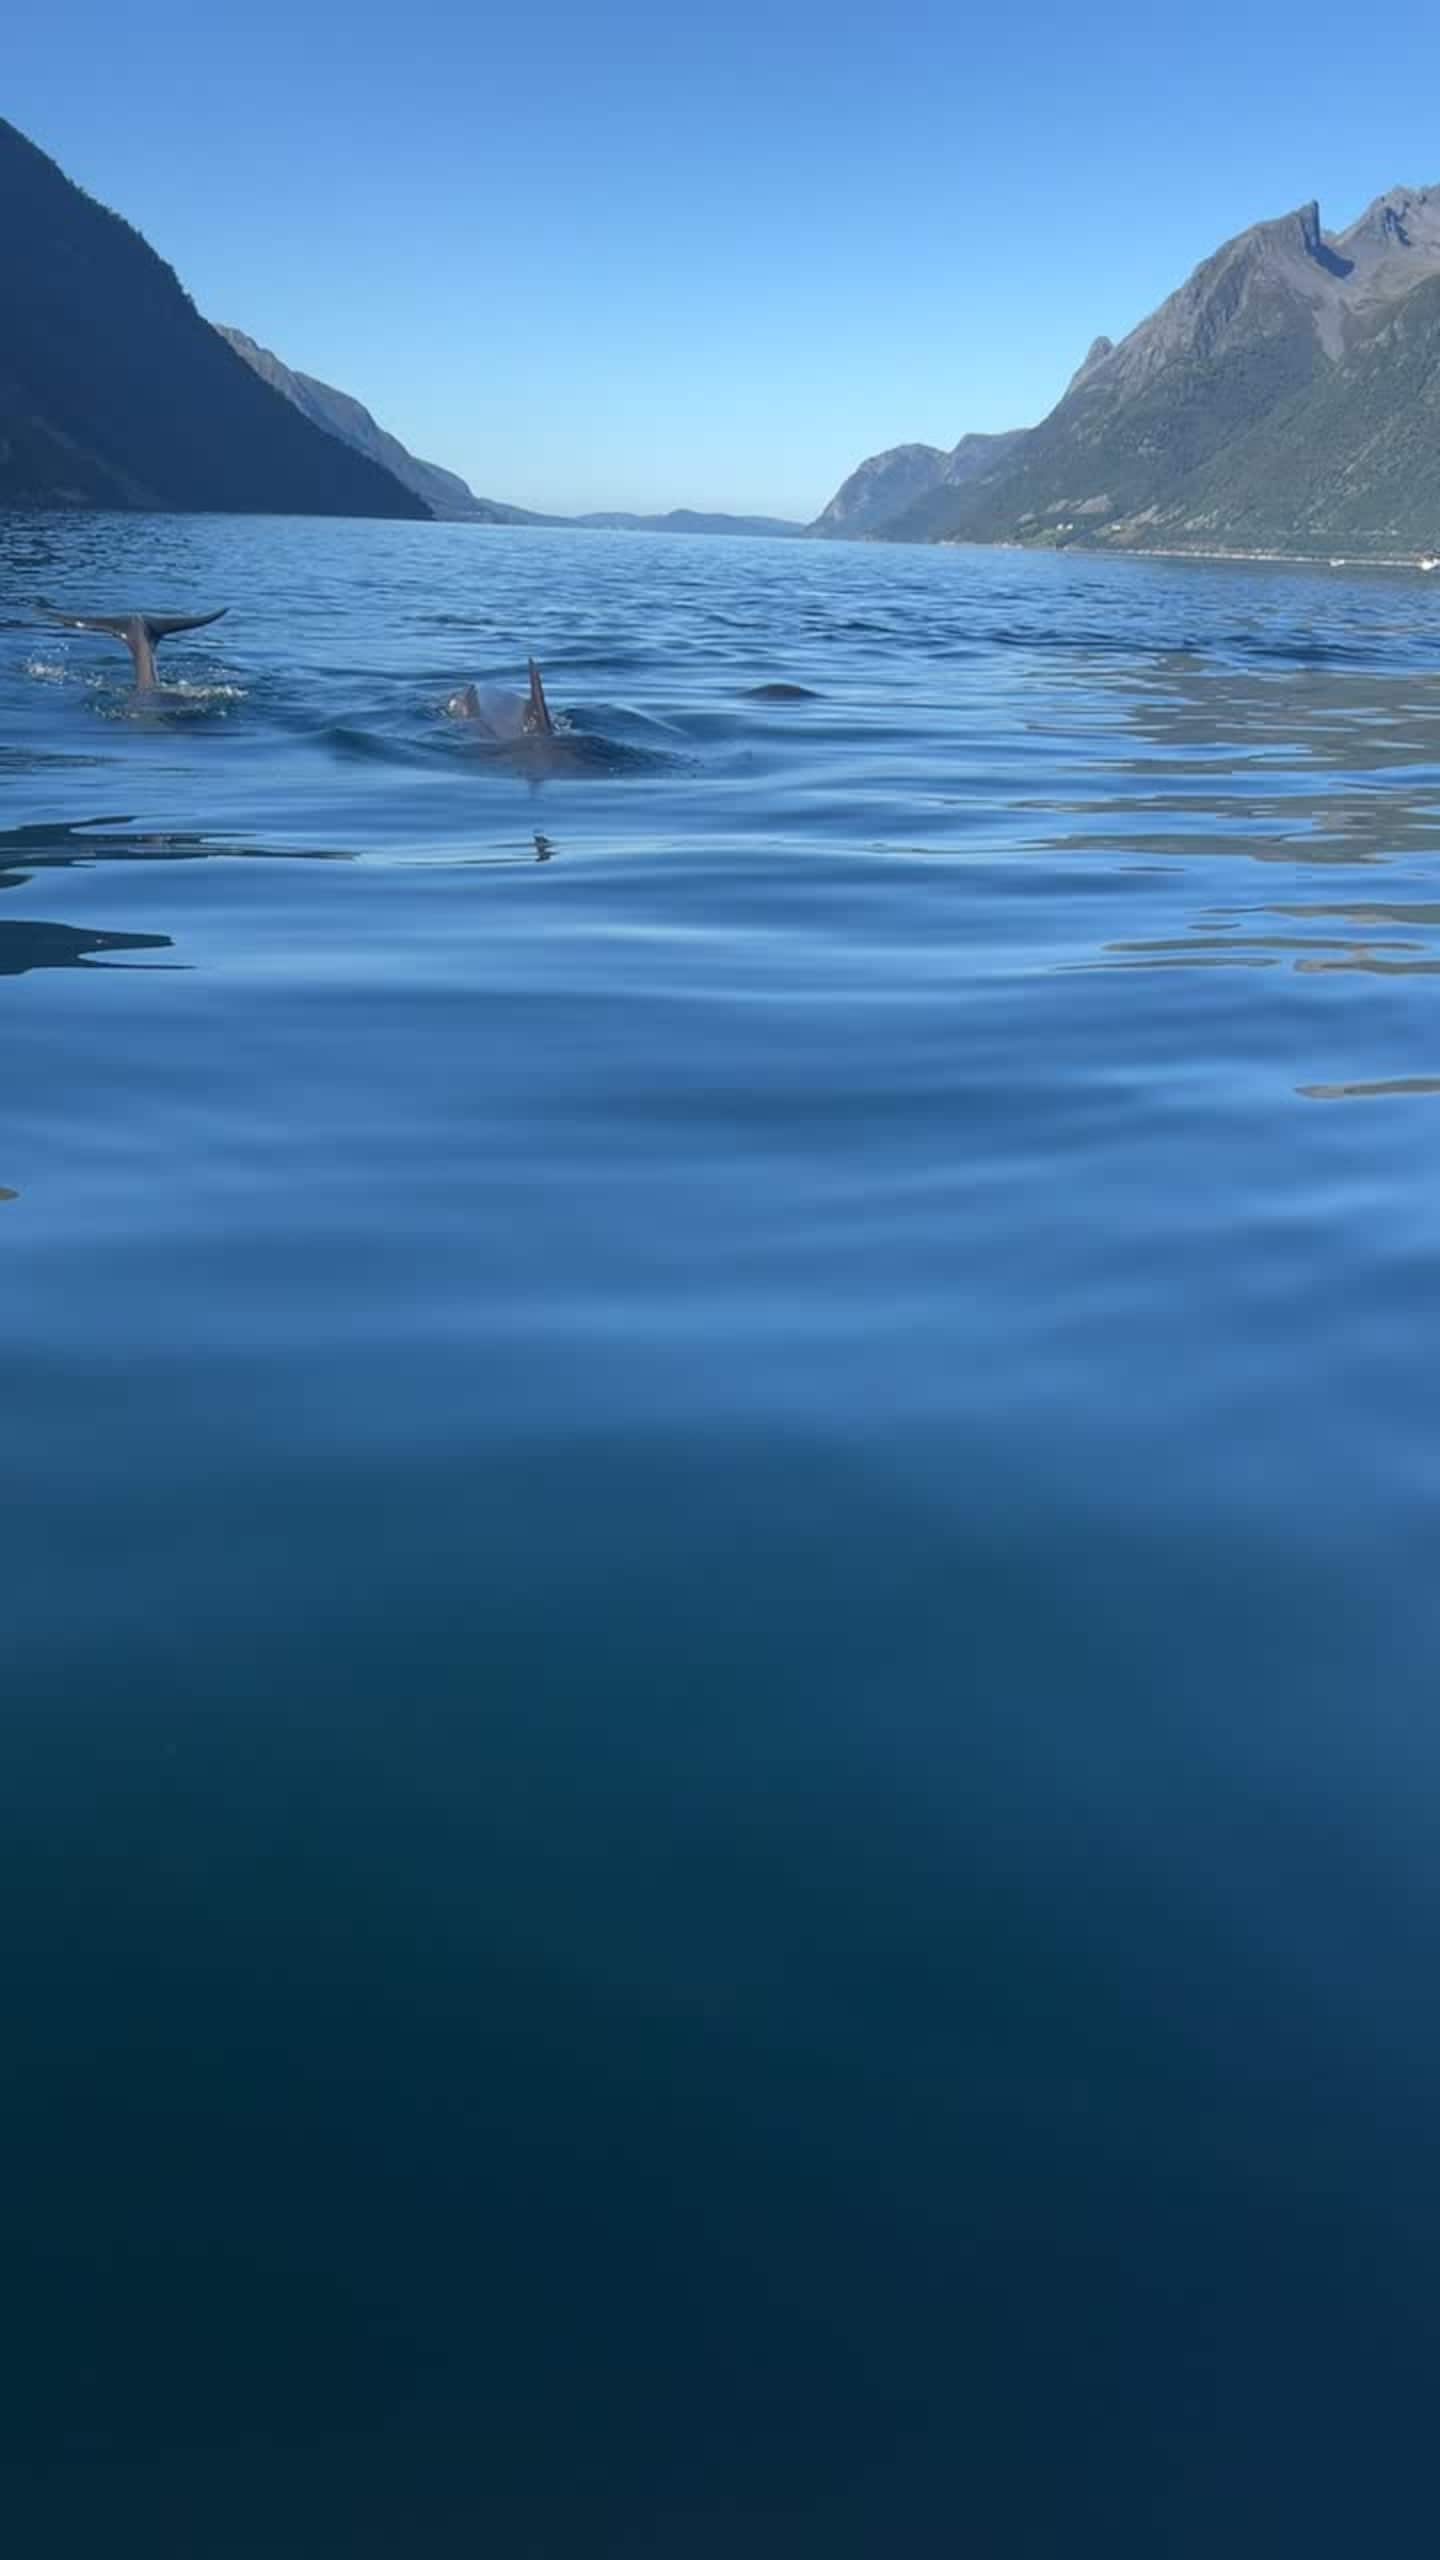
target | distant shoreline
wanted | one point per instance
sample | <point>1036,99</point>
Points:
<point>1424,562</point>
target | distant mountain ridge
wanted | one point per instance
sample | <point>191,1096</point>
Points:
<point>115,393</point>
<point>336,413</point>
<point>444,492</point>
<point>1286,397</point>
<point>888,484</point>
<point>687,520</point>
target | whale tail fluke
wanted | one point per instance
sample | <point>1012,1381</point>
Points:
<point>537,710</point>
<point>141,632</point>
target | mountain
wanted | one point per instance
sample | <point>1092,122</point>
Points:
<point>115,393</point>
<point>687,520</point>
<point>892,482</point>
<point>1353,464</point>
<point>881,488</point>
<point>1286,397</point>
<point>337,414</point>
<point>444,492</point>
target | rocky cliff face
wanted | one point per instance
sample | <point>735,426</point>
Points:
<point>115,393</point>
<point>337,414</point>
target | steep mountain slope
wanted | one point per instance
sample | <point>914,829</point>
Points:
<point>1268,395</point>
<point>889,483</point>
<point>337,414</point>
<point>115,393</point>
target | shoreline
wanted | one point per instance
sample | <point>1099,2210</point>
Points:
<point>1424,563</point>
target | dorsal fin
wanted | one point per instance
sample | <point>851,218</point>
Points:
<point>537,714</point>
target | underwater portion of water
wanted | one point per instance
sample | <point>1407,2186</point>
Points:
<point>719,1776</point>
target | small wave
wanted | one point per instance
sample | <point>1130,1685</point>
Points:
<point>115,697</point>
<point>573,746</point>
<point>589,753</point>
<point>168,707</point>
<point>1290,650</point>
<point>368,746</point>
<point>568,752</point>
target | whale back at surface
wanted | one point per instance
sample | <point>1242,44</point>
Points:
<point>497,712</point>
<point>503,716</point>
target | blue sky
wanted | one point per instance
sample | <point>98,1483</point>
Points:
<point>643,256</point>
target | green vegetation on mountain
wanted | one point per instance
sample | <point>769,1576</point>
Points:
<point>1351,462</point>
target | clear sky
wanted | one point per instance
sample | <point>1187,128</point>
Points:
<point>647,255</point>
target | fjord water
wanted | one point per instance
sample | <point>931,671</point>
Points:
<point>721,1799</point>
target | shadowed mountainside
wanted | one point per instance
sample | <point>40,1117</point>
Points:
<point>115,393</point>
<point>444,492</point>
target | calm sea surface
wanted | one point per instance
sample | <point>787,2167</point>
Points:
<point>720,1761</point>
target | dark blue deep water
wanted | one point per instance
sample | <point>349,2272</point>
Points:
<point>720,1797</point>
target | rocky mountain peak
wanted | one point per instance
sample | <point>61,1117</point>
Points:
<point>1096,354</point>
<point>1312,238</point>
<point>1394,243</point>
